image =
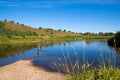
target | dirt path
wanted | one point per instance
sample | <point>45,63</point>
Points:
<point>25,70</point>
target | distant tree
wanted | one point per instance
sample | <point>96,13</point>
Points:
<point>2,25</point>
<point>92,33</point>
<point>69,31</point>
<point>59,30</point>
<point>111,33</point>
<point>101,33</point>
<point>87,33</point>
<point>17,22</point>
<point>40,27</point>
<point>5,20</point>
<point>22,24</point>
<point>49,28</point>
<point>80,33</point>
<point>11,21</point>
<point>64,30</point>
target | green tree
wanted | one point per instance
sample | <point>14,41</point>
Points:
<point>87,33</point>
<point>2,25</point>
<point>17,22</point>
<point>5,20</point>
<point>101,33</point>
<point>59,30</point>
<point>22,24</point>
<point>69,31</point>
<point>64,30</point>
<point>35,34</point>
<point>40,27</point>
<point>115,41</point>
<point>11,21</point>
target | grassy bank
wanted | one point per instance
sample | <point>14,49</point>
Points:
<point>103,73</point>
<point>28,39</point>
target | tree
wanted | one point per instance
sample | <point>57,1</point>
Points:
<point>35,34</point>
<point>5,20</point>
<point>2,25</point>
<point>22,24</point>
<point>69,31</point>
<point>40,27</point>
<point>11,21</point>
<point>115,41</point>
<point>17,22</point>
<point>59,30</point>
<point>101,33</point>
<point>110,33</point>
<point>64,30</point>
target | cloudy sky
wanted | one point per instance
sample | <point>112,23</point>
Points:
<point>74,15</point>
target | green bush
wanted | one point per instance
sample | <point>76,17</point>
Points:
<point>115,41</point>
<point>11,21</point>
<point>2,25</point>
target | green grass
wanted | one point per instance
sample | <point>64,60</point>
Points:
<point>104,73</point>
<point>106,70</point>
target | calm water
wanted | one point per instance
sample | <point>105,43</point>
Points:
<point>53,57</point>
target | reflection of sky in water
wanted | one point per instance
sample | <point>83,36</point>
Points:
<point>72,51</point>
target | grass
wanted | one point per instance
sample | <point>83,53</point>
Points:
<point>107,70</point>
<point>103,73</point>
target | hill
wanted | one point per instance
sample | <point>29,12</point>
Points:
<point>40,31</point>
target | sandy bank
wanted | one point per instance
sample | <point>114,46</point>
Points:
<point>25,70</point>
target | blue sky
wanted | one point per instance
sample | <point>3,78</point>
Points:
<point>74,15</point>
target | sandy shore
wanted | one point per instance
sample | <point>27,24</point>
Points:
<point>25,70</point>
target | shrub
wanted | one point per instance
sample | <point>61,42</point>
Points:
<point>5,20</point>
<point>2,25</point>
<point>40,27</point>
<point>59,30</point>
<point>51,32</point>
<point>64,30</point>
<point>115,41</point>
<point>17,22</point>
<point>11,21</point>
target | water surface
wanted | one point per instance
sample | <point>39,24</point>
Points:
<point>54,57</point>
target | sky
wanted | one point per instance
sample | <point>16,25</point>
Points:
<point>74,15</point>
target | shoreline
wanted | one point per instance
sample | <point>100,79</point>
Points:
<point>26,70</point>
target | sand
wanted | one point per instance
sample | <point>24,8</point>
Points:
<point>25,70</point>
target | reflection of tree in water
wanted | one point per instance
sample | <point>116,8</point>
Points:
<point>116,49</point>
<point>89,41</point>
<point>11,49</point>
<point>7,50</point>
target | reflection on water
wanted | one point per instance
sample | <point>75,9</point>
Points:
<point>10,50</point>
<point>38,50</point>
<point>77,53</point>
<point>54,55</point>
